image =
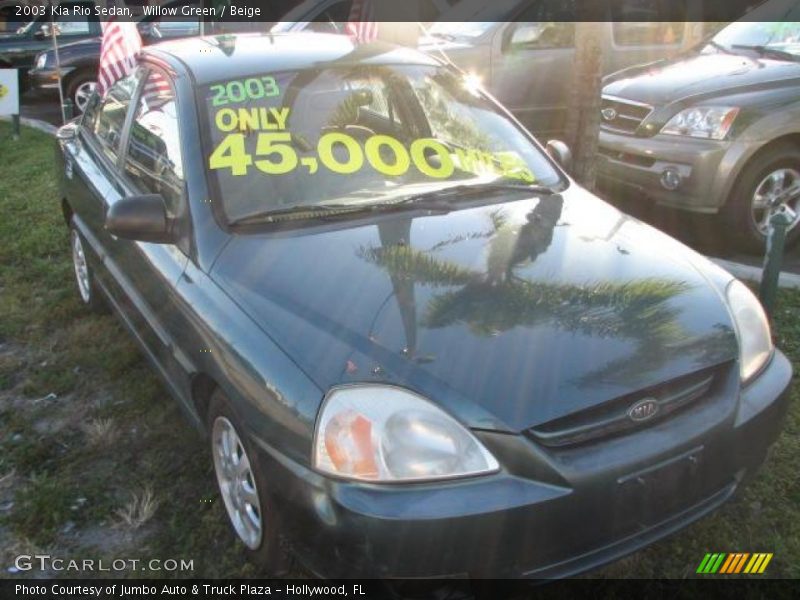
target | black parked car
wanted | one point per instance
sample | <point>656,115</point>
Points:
<point>417,348</point>
<point>18,49</point>
<point>79,61</point>
<point>715,130</point>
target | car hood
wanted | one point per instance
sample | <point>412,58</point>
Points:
<point>89,47</point>
<point>700,76</point>
<point>87,42</point>
<point>509,314</point>
<point>13,40</point>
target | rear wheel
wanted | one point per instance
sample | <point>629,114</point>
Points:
<point>749,207</point>
<point>244,489</point>
<point>84,277</point>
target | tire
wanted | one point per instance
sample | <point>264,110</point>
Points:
<point>78,88</point>
<point>267,549</point>
<point>743,217</point>
<point>88,293</point>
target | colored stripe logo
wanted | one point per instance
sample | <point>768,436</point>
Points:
<point>734,563</point>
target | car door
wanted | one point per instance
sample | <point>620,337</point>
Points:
<point>125,150</point>
<point>532,58</point>
<point>151,163</point>
<point>90,165</point>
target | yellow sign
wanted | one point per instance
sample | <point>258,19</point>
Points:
<point>9,96</point>
<point>275,153</point>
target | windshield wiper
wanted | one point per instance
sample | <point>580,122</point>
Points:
<point>719,47</point>
<point>442,199</point>
<point>767,51</point>
<point>307,211</point>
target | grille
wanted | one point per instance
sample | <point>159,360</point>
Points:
<point>627,115</point>
<point>628,157</point>
<point>612,418</point>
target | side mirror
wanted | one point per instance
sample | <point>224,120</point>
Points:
<point>141,218</point>
<point>560,152</point>
<point>526,35</point>
<point>145,29</point>
<point>67,133</point>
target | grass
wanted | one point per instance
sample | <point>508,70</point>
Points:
<point>139,510</point>
<point>93,464</point>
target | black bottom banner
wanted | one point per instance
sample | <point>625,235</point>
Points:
<point>371,589</point>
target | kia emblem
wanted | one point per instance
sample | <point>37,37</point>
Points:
<point>644,410</point>
<point>609,114</point>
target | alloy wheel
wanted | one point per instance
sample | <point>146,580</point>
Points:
<point>236,482</point>
<point>82,94</point>
<point>770,187</point>
<point>81,268</point>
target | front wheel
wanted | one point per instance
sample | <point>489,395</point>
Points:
<point>752,202</point>
<point>80,89</point>
<point>244,490</point>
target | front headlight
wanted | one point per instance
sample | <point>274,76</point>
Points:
<point>709,122</point>
<point>387,434</point>
<point>752,329</point>
<point>41,60</point>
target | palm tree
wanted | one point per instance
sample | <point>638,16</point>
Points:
<point>583,103</point>
<point>497,299</point>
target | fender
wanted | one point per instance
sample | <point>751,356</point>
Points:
<point>752,140</point>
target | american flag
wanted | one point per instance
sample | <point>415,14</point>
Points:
<point>157,91</point>
<point>361,24</point>
<point>121,43</point>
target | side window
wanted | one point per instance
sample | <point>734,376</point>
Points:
<point>107,119</point>
<point>543,25</point>
<point>648,22</point>
<point>72,26</point>
<point>175,28</point>
<point>72,23</point>
<point>332,19</point>
<point>153,162</point>
<point>170,26</point>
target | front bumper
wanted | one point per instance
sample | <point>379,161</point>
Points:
<point>46,79</point>
<point>634,166</point>
<point>549,512</point>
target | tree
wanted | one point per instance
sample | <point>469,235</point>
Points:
<point>584,101</point>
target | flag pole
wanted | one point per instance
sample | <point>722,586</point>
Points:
<point>58,64</point>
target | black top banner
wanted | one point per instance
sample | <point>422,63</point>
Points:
<point>260,13</point>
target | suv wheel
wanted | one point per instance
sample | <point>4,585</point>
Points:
<point>749,207</point>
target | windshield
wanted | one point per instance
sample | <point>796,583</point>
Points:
<point>781,36</point>
<point>356,135</point>
<point>26,28</point>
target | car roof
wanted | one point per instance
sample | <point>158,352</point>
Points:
<point>214,58</point>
